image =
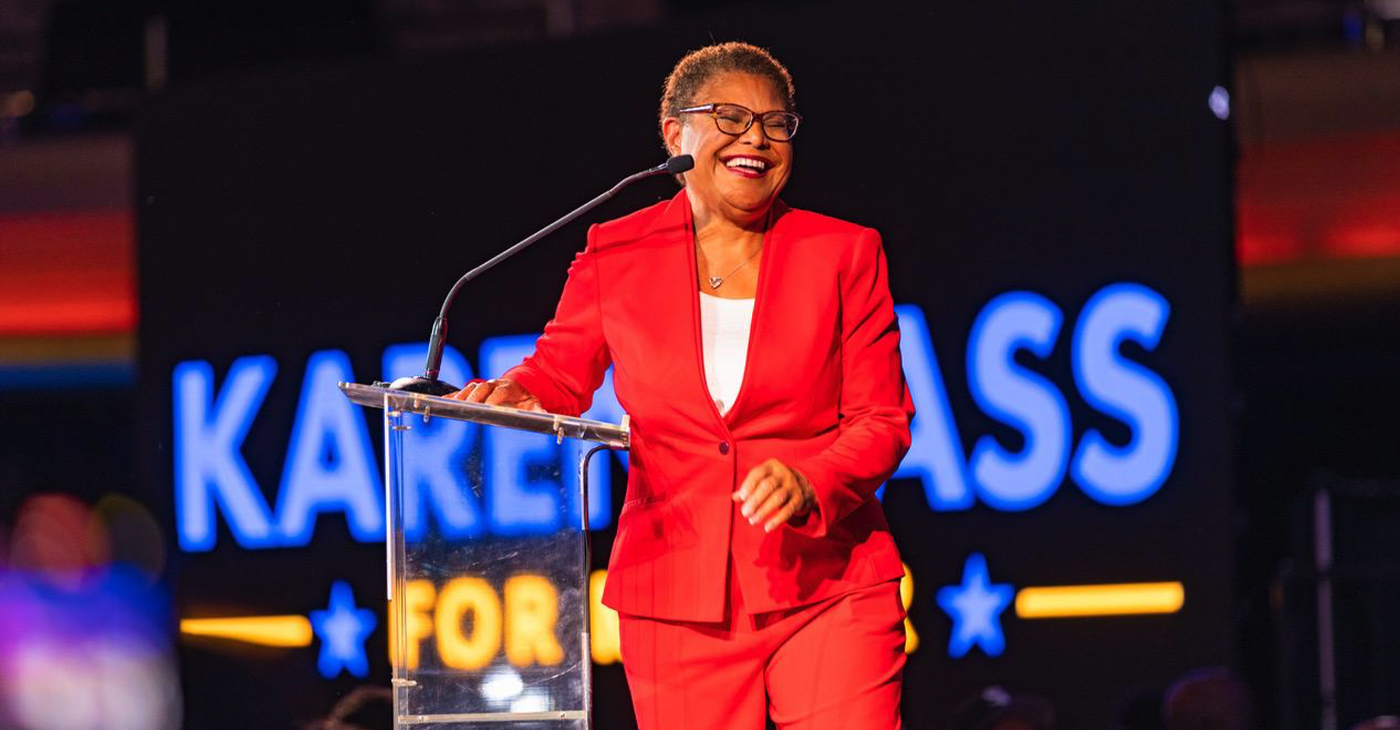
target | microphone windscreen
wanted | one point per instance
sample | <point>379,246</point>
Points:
<point>679,164</point>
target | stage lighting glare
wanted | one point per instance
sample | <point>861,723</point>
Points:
<point>112,683</point>
<point>57,538</point>
<point>18,104</point>
<point>50,692</point>
<point>1386,10</point>
<point>531,702</point>
<point>502,685</point>
<point>1219,103</point>
<point>134,535</point>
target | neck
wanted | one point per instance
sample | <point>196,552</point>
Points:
<point>728,226</point>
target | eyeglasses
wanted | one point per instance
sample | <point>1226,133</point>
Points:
<point>732,119</point>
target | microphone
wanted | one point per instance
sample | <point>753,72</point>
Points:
<point>428,382</point>
<point>678,164</point>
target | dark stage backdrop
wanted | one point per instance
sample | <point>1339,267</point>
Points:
<point>1053,189</point>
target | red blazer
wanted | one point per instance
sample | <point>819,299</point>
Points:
<point>823,391</point>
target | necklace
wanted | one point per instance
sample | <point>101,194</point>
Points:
<point>718,281</point>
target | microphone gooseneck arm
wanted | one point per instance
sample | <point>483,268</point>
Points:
<point>672,166</point>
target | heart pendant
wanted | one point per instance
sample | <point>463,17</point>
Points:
<point>715,281</point>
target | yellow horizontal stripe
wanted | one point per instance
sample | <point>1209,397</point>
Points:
<point>49,350</point>
<point>265,630</point>
<point>1119,599</point>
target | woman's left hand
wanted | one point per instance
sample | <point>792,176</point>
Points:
<point>773,493</point>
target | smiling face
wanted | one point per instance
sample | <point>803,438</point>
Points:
<point>735,178</point>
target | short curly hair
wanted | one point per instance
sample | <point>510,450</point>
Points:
<point>698,67</point>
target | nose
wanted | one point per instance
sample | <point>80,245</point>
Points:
<point>754,135</point>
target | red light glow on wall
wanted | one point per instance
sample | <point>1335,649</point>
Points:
<point>1325,197</point>
<point>67,273</point>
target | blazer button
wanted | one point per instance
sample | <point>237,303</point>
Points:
<point>724,447</point>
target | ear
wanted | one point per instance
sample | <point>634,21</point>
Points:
<point>671,135</point>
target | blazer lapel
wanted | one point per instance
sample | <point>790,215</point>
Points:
<point>774,253</point>
<point>675,227</point>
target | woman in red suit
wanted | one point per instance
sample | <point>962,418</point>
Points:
<point>755,348</point>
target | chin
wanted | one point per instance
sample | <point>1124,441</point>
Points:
<point>750,205</point>
<point>747,196</point>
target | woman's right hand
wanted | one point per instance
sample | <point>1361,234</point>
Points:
<point>498,392</point>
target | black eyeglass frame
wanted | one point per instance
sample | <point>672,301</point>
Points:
<point>712,109</point>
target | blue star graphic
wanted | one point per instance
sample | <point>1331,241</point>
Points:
<point>343,628</point>
<point>975,607</point>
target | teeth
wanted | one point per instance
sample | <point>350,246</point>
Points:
<point>759,165</point>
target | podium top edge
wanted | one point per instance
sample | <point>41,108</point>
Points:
<point>617,436</point>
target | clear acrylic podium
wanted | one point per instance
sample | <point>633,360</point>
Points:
<point>487,628</point>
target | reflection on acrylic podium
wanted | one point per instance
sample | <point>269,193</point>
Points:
<point>488,627</point>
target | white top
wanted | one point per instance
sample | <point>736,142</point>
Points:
<point>724,330</point>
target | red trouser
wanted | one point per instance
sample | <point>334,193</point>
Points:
<point>836,664</point>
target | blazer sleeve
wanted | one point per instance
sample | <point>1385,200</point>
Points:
<point>571,356</point>
<point>875,406</point>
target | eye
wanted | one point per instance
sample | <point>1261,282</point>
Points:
<point>779,125</point>
<point>731,115</point>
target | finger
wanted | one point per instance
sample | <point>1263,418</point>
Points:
<point>770,469</point>
<point>742,492</point>
<point>464,393</point>
<point>480,392</point>
<point>747,486</point>
<point>760,492</point>
<point>502,396</point>
<point>781,517</point>
<point>780,497</point>
<point>533,404</point>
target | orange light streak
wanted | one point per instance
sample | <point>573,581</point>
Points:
<point>263,630</point>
